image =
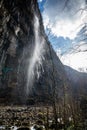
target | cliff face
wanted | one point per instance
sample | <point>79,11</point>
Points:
<point>78,81</point>
<point>17,44</point>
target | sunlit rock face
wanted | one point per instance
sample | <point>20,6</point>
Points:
<point>28,64</point>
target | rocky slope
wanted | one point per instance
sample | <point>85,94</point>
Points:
<point>17,42</point>
<point>78,81</point>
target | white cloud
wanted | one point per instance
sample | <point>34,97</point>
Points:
<point>76,58</point>
<point>40,0</point>
<point>65,22</point>
<point>66,28</point>
<point>76,61</point>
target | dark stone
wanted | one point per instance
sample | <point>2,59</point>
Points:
<point>14,65</point>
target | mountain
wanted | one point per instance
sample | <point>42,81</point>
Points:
<point>78,81</point>
<point>29,67</point>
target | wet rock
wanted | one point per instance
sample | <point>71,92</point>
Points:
<point>17,43</point>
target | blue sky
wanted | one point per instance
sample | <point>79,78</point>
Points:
<point>63,22</point>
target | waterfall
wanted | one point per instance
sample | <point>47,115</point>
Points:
<point>35,61</point>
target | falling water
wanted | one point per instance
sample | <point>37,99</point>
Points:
<point>35,61</point>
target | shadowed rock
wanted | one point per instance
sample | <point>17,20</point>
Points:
<point>17,42</point>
